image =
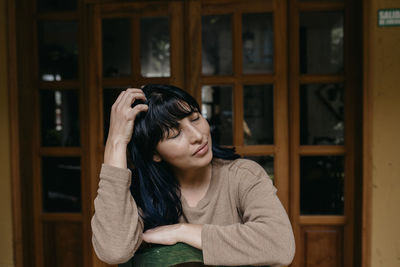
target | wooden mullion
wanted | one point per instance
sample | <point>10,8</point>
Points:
<point>309,78</point>
<point>321,6</point>
<point>61,217</point>
<point>255,79</point>
<point>177,46</point>
<point>60,151</point>
<point>217,80</point>
<point>135,50</point>
<point>145,80</point>
<point>322,220</point>
<point>280,100</point>
<point>229,6</point>
<point>143,8</point>
<point>294,130</point>
<point>259,150</point>
<point>321,150</point>
<point>70,15</point>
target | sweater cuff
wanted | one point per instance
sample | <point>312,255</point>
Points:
<point>208,244</point>
<point>115,174</point>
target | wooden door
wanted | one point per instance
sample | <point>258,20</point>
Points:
<point>274,78</point>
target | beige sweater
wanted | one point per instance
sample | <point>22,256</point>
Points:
<point>244,222</point>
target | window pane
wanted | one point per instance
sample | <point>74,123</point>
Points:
<point>59,113</point>
<point>322,114</point>
<point>217,109</point>
<point>322,185</point>
<point>155,47</point>
<point>267,162</point>
<point>258,109</point>
<point>258,44</point>
<point>62,244</point>
<point>321,42</point>
<point>116,47</point>
<point>109,97</point>
<point>217,45</point>
<point>61,184</point>
<point>58,50</point>
<point>56,5</point>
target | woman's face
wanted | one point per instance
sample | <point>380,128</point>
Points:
<point>187,147</point>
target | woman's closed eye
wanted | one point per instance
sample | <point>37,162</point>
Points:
<point>174,133</point>
<point>195,117</point>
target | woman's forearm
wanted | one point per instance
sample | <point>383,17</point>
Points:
<point>191,234</point>
<point>115,154</point>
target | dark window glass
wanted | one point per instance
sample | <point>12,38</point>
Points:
<point>322,114</point>
<point>321,42</point>
<point>58,50</point>
<point>56,5</point>
<point>116,47</point>
<point>217,45</point>
<point>62,244</point>
<point>267,162</point>
<point>258,43</point>
<point>61,179</point>
<point>258,109</point>
<point>322,185</point>
<point>217,109</point>
<point>59,113</point>
<point>155,47</point>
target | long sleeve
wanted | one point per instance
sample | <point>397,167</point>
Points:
<point>264,238</point>
<point>116,225</point>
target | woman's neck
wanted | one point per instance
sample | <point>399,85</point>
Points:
<point>194,178</point>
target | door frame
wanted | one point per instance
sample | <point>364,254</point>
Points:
<point>15,78</point>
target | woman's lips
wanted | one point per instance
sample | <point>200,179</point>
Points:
<point>202,150</point>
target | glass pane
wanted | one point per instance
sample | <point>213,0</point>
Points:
<point>321,42</point>
<point>216,52</point>
<point>116,47</point>
<point>109,97</point>
<point>322,114</point>
<point>322,185</point>
<point>267,162</point>
<point>59,113</point>
<point>56,5</point>
<point>61,184</point>
<point>217,109</point>
<point>58,50</point>
<point>258,109</point>
<point>62,244</point>
<point>258,44</point>
<point>155,47</point>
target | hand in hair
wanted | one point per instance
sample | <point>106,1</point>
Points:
<point>121,125</point>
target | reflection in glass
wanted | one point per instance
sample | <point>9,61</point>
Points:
<point>217,109</point>
<point>58,50</point>
<point>267,162</point>
<point>258,109</point>
<point>322,185</point>
<point>56,5</point>
<point>61,178</point>
<point>321,42</point>
<point>154,47</point>
<point>116,47</point>
<point>59,110</point>
<point>322,114</point>
<point>217,45</point>
<point>258,44</point>
<point>109,97</point>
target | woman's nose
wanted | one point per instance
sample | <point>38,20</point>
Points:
<point>195,134</point>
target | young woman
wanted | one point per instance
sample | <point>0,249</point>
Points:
<point>182,187</point>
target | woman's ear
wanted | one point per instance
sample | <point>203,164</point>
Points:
<point>156,157</point>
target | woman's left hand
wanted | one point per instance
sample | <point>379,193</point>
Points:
<point>174,233</point>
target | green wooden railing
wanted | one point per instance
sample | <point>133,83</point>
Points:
<point>179,254</point>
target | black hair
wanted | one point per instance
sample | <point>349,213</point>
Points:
<point>154,185</point>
